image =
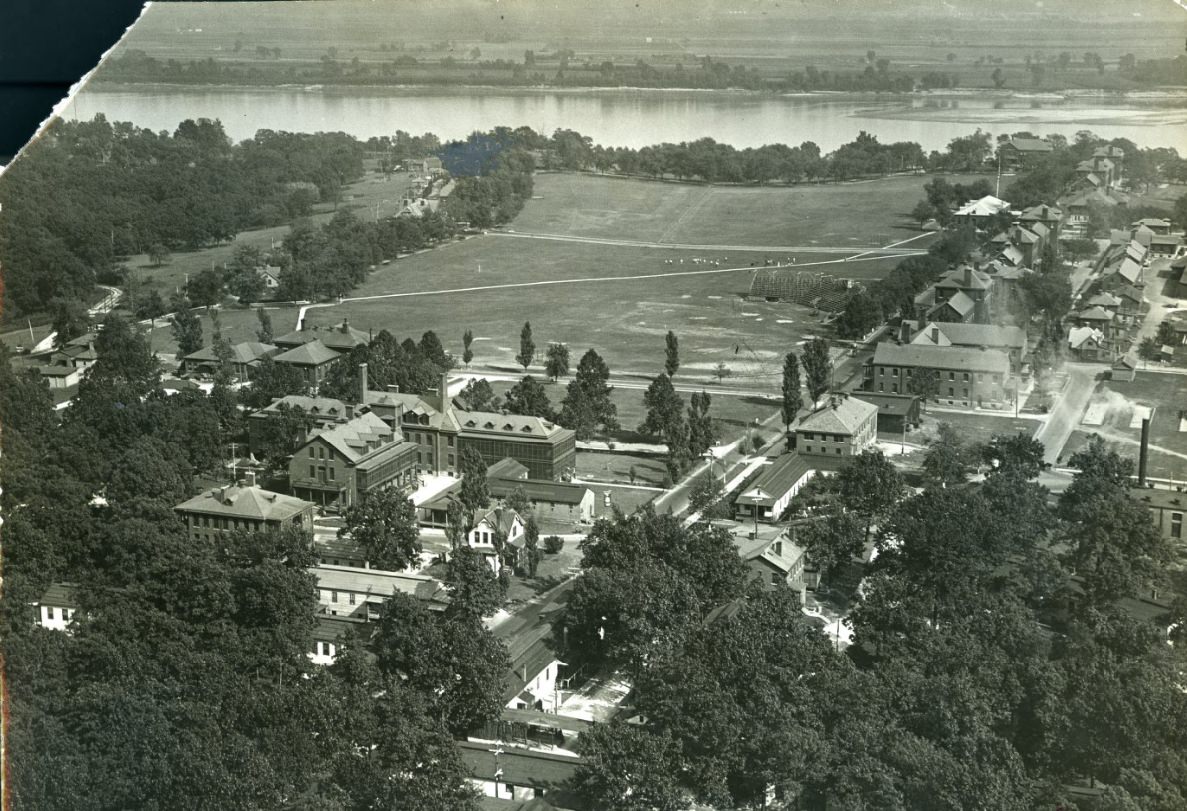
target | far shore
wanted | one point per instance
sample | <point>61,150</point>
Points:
<point>1154,96</point>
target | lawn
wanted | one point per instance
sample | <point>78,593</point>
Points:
<point>973,428</point>
<point>810,215</point>
<point>1166,394</point>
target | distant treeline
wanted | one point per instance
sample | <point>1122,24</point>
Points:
<point>563,71</point>
<point>92,193</point>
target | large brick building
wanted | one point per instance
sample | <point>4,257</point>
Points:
<point>341,463</point>
<point>963,376</point>
<point>243,507</point>
<point>441,431</point>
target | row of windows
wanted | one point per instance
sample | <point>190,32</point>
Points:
<point>321,474</point>
<point>66,613</point>
<point>332,597</point>
<point>215,522</point>
<point>997,378</point>
<point>808,449</point>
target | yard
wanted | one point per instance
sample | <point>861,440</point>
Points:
<point>1121,405</point>
<point>973,428</point>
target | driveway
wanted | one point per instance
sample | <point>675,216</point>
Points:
<point>1070,404</point>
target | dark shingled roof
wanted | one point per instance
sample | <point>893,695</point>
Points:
<point>521,767</point>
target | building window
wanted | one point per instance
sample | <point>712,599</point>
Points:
<point>894,372</point>
<point>807,449</point>
<point>838,451</point>
<point>331,471</point>
<point>966,377</point>
<point>311,451</point>
<point>951,392</point>
<point>952,375</point>
<point>49,612</point>
<point>1176,525</point>
<point>775,579</point>
<point>333,596</point>
<point>313,471</point>
<point>894,389</point>
<point>808,435</point>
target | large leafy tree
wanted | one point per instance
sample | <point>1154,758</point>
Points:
<point>527,347</point>
<point>793,398</point>
<point>587,402</point>
<point>663,407</point>
<point>474,590</point>
<point>187,327</point>
<point>454,663</point>
<point>528,398</point>
<point>474,495</point>
<point>556,361</point>
<point>948,460</point>
<point>869,485</point>
<point>1015,455</point>
<point>671,353</point>
<point>818,367</point>
<point>384,526</point>
<point>632,769</point>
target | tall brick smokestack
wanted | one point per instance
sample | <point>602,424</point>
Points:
<point>362,384</point>
<point>1144,453</point>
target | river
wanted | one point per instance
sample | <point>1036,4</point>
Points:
<point>636,118</point>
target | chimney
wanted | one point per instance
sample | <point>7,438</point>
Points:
<point>443,392</point>
<point>349,411</point>
<point>935,335</point>
<point>345,326</point>
<point>301,324</point>
<point>968,276</point>
<point>362,383</point>
<point>250,479</point>
<point>1144,453</point>
<point>394,388</point>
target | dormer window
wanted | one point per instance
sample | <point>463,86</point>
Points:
<point>527,429</point>
<point>489,426</point>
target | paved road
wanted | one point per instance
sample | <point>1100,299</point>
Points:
<point>1070,404</point>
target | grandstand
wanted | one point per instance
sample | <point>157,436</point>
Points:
<point>822,291</point>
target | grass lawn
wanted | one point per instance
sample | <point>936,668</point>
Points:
<point>810,215</point>
<point>973,428</point>
<point>616,467</point>
<point>1166,394</point>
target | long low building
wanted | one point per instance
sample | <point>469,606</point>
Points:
<point>963,376</point>
<point>360,593</point>
<point>769,494</point>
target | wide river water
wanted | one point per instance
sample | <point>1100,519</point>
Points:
<point>636,118</point>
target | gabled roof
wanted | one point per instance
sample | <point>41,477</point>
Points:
<point>235,501</point>
<point>1143,235</point>
<point>320,408</point>
<point>762,549</point>
<point>240,353</point>
<point>960,303</point>
<point>1166,239</point>
<point>1030,144</point>
<point>927,297</point>
<point>539,490</point>
<point>1108,152</point>
<point>1094,314</point>
<point>1104,300</point>
<point>356,438</point>
<point>1127,361</point>
<point>842,415</point>
<point>782,474</point>
<point>1153,222</point>
<point>990,335</point>
<point>313,353</point>
<point>1090,197</point>
<point>1077,337</point>
<point>1013,255</point>
<point>341,337</point>
<point>500,519</point>
<point>521,767</point>
<point>507,468</point>
<point>987,206</point>
<point>60,595</point>
<point>493,422</point>
<point>942,357</point>
<point>380,584</point>
<point>965,278</point>
<point>1041,213</point>
<point>1129,270</point>
<point>413,404</point>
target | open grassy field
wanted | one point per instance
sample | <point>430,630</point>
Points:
<point>1167,395</point>
<point>619,299</point>
<point>810,216</point>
